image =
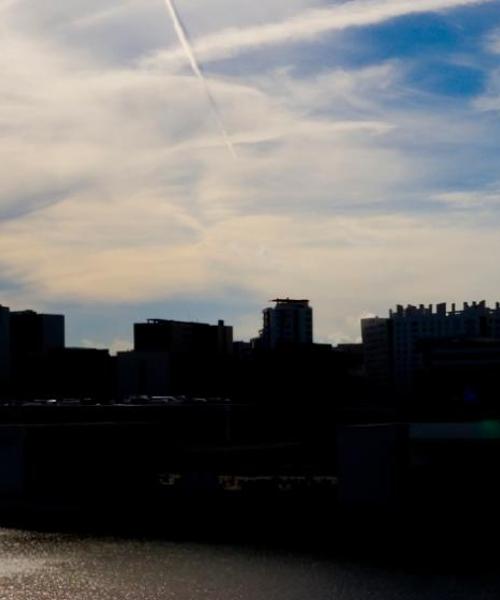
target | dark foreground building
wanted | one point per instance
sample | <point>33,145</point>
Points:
<point>435,359</point>
<point>179,337</point>
<point>176,357</point>
<point>32,337</point>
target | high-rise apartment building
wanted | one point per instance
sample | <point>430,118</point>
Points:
<point>394,345</point>
<point>289,322</point>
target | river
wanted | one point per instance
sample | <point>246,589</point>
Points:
<point>46,566</point>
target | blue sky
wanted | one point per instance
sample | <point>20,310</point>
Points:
<point>367,135</point>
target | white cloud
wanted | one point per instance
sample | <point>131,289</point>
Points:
<point>492,41</point>
<point>102,15</point>
<point>472,199</point>
<point>7,4</point>
<point>116,345</point>
<point>490,99</point>
<point>307,25</point>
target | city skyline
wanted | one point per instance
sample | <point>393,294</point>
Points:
<point>367,142</point>
<point>445,308</point>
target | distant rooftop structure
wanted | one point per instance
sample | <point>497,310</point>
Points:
<point>290,301</point>
<point>441,309</point>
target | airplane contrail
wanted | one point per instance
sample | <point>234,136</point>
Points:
<point>195,67</point>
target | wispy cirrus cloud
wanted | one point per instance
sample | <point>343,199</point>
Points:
<point>482,199</point>
<point>103,15</point>
<point>492,41</point>
<point>6,4</point>
<point>305,26</point>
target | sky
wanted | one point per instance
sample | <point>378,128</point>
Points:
<point>367,167</point>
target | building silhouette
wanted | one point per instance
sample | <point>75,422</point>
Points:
<point>76,373</point>
<point>433,351</point>
<point>175,357</point>
<point>378,350</point>
<point>289,322</point>
<point>4,348</point>
<point>26,339</point>
<point>143,374</point>
<point>181,337</point>
<point>35,333</point>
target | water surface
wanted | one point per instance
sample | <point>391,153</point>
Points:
<point>44,566</point>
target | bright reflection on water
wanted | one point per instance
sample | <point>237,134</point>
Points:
<point>37,566</point>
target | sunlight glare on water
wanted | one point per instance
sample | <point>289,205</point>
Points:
<point>59,567</point>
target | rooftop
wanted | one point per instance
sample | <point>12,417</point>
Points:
<point>442,309</point>
<point>290,301</point>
